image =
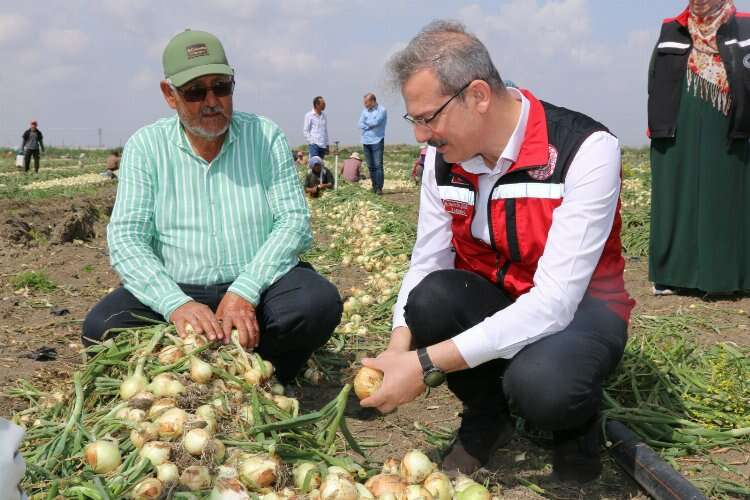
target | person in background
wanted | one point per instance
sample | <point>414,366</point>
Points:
<point>299,159</point>
<point>515,293</point>
<point>316,129</point>
<point>350,168</point>
<point>372,122</point>
<point>319,179</point>
<point>210,221</point>
<point>33,143</point>
<point>113,164</point>
<point>418,168</point>
<point>699,123</point>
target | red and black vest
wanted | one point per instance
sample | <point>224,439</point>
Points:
<point>521,207</point>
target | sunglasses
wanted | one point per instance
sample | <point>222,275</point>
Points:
<point>197,93</point>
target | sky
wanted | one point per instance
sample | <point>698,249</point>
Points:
<point>90,68</point>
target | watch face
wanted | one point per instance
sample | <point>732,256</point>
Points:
<point>434,378</point>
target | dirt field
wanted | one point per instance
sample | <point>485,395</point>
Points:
<point>79,270</point>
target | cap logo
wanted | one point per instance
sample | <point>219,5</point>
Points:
<point>196,50</point>
<point>746,61</point>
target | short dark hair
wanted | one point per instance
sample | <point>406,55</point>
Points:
<point>370,95</point>
<point>317,100</point>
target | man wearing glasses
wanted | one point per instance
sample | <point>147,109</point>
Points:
<point>515,292</point>
<point>210,220</point>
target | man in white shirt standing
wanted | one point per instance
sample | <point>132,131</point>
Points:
<point>515,293</point>
<point>316,129</point>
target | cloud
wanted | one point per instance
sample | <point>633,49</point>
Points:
<point>67,41</point>
<point>144,78</point>
<point>12,26</point>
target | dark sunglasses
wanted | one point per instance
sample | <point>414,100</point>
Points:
<point>196,93</point>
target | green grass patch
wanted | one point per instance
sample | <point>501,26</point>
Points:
<point>33,280</point>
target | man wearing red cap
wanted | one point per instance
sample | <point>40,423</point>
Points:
<point>32,143</point>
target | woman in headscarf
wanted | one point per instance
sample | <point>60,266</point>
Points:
<point>699,124</point>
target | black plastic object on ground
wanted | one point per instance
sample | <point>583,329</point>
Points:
<point>648,469</point>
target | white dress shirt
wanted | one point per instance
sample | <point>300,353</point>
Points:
<point>580,228</point>
<point>316,128</point>
<point>12,466</point>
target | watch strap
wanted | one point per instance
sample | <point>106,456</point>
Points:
<point>424,360</point>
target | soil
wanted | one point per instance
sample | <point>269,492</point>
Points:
<point>79,268</point>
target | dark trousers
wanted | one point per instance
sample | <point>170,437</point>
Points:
<point>296,315</point>
<point>554,383</point>
<point>317,150</point>
<point>27,154</point>
<point>374,157</point>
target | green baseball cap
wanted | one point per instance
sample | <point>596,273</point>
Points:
<point>191,54</point>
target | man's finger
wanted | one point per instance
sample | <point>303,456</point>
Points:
<point>252,328</point>
<point>239,325</point>
<point>179,324</point>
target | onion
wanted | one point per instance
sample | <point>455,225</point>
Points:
<point>439,485</point>
<point>217,449</point>
<point>196,477</point>
<point>363,493</point>
<point>228,489</point>
<point>227,472</point>
<point>253,376</point>
<point>415,467</point>
<point>200,371</point>
<point>172,423</point>
<point>135,383</point>
<point>160,406</point>
<point>258,471</point>
<point>391,466</point>
<point>142,401</point>
<point>136,416</point>
<point>195,441</point>
<point>145,432</point>
<point>166,384</point>
<point>462,482</point>
<point>157,452</point>
<point>193,341</point>
<point>385,483</point>
<point>367,382</point>
<point>103,456</point>
<point>289,405</point>
<point>473,492</point>
<point>337,487</point>
<point>277,389</point>
<point>313,376</point>
<point>207,413</point>
<point>170,354</point>
<point>306,472</point>
<point>416,492</point>
<point>148,488</point>
<point>335,469</point>
<point>167,472</point>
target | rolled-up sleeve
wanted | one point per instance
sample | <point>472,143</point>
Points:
<point>12,466</point>
<point>291,234</point>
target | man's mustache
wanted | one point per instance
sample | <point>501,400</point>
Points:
<point>209,110</point>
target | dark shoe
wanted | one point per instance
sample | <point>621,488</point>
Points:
<point>480,434</point>
<point>576,456</point>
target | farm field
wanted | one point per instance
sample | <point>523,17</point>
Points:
<point>682,385</point>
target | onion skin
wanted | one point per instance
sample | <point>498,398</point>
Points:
<point>301,472</point>
<point>338,487</point>
<point>148,488</point>
<point>258,471</point>
<point>196,478</point>
<point>167,472</point>
<point>103,456</point>
<point>415,467</point>
<point>228,489</point>
<point>473,492</point>
<point>367,382</point>
<point>157,452</point>
<point>439,485</point>
<point>383,484</point>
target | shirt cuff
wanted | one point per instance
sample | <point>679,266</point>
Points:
<point>171,302</point>
<point>475,346</point>
<point>246,288</point>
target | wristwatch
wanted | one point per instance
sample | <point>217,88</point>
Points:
<point>431,374</point>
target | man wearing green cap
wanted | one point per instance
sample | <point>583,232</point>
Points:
<point>210,220</point>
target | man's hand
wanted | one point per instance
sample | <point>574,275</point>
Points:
<point>234,312</point>
<point>199,316</point>
<point>402,380</point>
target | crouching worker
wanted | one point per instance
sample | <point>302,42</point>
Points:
<point>515,293</point>
<point>210,220</point>
<point>319,179</point>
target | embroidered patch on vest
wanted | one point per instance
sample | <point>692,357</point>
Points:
<point>545,172</point>
<point>456,207</point>
<point>746,61</point>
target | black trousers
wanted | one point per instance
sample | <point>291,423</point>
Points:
<point>554,383</point>
<point>27,155</point>
<point>296,315</point>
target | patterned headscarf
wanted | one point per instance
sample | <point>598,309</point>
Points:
<point>706,73</point>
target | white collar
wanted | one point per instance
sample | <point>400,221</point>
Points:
<point>476,165</point>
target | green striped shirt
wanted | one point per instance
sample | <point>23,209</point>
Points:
<point>178,219</point>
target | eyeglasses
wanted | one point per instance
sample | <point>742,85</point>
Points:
<point>197,93</point>
<point>424,122</point>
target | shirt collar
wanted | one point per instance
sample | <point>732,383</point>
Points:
<point>509,155</point>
